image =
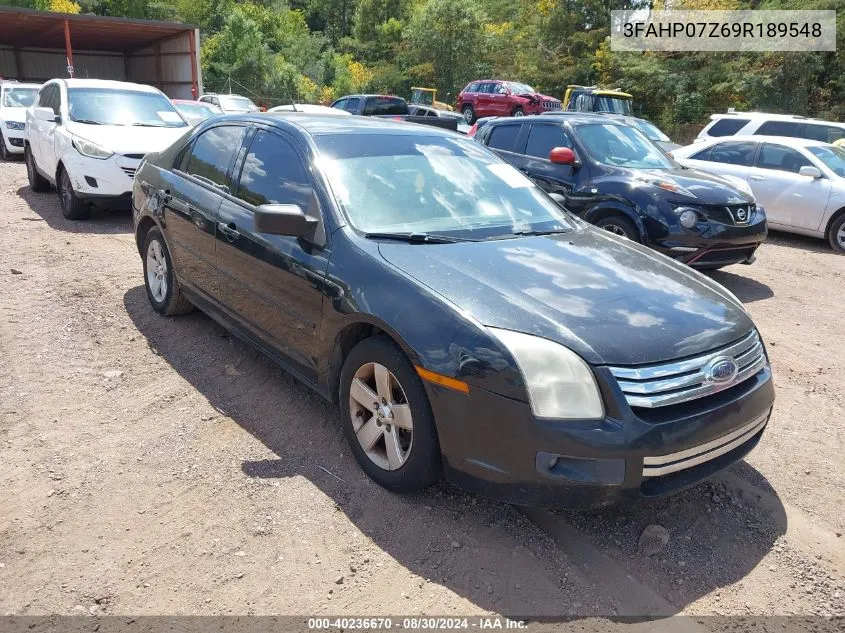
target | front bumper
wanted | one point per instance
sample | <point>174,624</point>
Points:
<point>101,180</point>
<point>713,243</point>
<point>493,445</point>
<point>13,140</point>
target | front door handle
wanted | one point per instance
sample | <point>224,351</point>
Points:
<point>228,230</point>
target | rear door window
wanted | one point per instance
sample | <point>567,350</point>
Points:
<point>213,152</point>
<point>727,127</point>
<point>733,153</point>
<point>273,173</point>
<point>781,158</point>
<point>542,139</point>
<point>504,137</point>
<point>781,128</point>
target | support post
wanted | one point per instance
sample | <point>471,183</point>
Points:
<point>159,77</point>
<point>68,49</point>
<point>195,89</point>
<point>19,75</point>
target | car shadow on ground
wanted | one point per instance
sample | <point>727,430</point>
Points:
<point>804,242</point>
<point>101,221</point>
<point>746,289</point>
<point>487,552</point>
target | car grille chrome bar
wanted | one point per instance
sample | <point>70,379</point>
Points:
<point>673,462</point>
<point>662,385</point>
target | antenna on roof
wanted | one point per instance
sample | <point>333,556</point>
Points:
<point>292,104</point>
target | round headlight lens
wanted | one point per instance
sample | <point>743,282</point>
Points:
<point>688,218</point>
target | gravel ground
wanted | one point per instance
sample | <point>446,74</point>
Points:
<point>156,465</point>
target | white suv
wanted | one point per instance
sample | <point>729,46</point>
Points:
<point>88,136</point>
<point>15,98</point>
<point>764,124</point>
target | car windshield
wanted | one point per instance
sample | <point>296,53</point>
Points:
<point>237,103</point>
<point>197,112</point>
<point>651,131</point>
<point>520,89</point>
<point>617,105</point>
<point>832,157</point>
<point>19,97</point>
<point>433,184</point>
<point>106,106</point>
<point>622,146</point>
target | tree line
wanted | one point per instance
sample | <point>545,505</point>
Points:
<point>317,50</point>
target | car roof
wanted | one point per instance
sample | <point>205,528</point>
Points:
<point>108,84</point>
<point>189,102</point>
<point>570,116</point>
<point>15,84</point>
<point>782,140</point>
<point>317,124</point>
<point>770,116</point>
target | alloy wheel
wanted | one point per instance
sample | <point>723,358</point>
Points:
<point>65,191</point>
<point>518,113</point>
<point>615,229</point>
<point>840,236</point>
<point>381,416</point>
<point>30,168</point>
<point>468,115</point>
<point>157,271</point>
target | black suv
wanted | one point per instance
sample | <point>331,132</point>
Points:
<point>610,174</point>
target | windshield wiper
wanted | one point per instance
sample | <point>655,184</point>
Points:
<point>417,238</point>
<point>151,125</point>
<point>541,232</point>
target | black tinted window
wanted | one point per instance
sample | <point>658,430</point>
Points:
<point>504,137</point>
<point>44,96</point>
<point>385,105</point>
<point>727,127</point>
<point>824,133</point>
<point>733,153</point>
<point>542,139</point>
<point>702,155</point>
<point>273,173</point>
<point>352,105</point>
<point>781,128</point>
<point>213,151</point>
<point>56,100</point>
<point>781,158</point>
<point>485,88</point>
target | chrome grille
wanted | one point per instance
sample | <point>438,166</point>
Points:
<point>129,171</point>
<point>551,105</point>
<point>651,386</point>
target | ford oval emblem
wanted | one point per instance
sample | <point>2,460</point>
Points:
<point>721,370</point>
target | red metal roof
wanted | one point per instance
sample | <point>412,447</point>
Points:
<point>39,29</point>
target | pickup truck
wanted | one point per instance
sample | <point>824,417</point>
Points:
<point>389,107</point>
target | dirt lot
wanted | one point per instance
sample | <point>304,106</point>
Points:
<point>155,465</point>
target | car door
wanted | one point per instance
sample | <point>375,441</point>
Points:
<point>39,127</point>
<point>272,284</point>
<point>58,103</point>
<point>534,161</point>
<point>191,196</point>
<point>483,100</point>
<point>790,199</point>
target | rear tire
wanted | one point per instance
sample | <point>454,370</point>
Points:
<point>469,114</point>
<point>73,208</point>
<point>400,456</point>
<point>836,234</point>
<point>163,289</point>
<point>5,154</point>
<point>619,225</point>
<point>37,182</point>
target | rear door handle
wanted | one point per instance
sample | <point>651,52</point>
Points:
<point>228,230</point>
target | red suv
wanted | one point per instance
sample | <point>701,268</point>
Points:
<point>491,97</point>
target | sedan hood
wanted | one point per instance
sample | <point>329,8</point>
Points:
<point>122,139</point>
<point>607,299</point>
<point>707,188</point>
<point>13,114</point>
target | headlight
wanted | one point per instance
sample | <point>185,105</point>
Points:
<point>560,384</point>
<point>91,150</point>
<point>688,217</point>
<point>14,125</point>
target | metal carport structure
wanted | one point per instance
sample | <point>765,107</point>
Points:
<point>37,46</point>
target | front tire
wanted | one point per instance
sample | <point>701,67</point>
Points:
<point>37,182</point>
<point>5,154</point>
<point>469,114</point>
<point>72,207</point>
<point>387,418</point>
<point>163,289</point>
<point>836,234</point>
<point>619,225</point>
<point>517,111</point>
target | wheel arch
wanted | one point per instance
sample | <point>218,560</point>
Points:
<point>145,224</point>
<point>833,218</point>
<point>607,210</point>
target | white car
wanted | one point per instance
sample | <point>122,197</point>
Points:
<point>310,108</point>
<point>88,136</point>
<point>765,124</point>
<point>230,104</point>
<point>801,183</point>
<point>15,98</point>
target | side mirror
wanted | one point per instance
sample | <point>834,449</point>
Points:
<point>812,172</point>
<point>561,201</point>
<point>562,156</point>
<point>283,219</point>
<point>47,114</point>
